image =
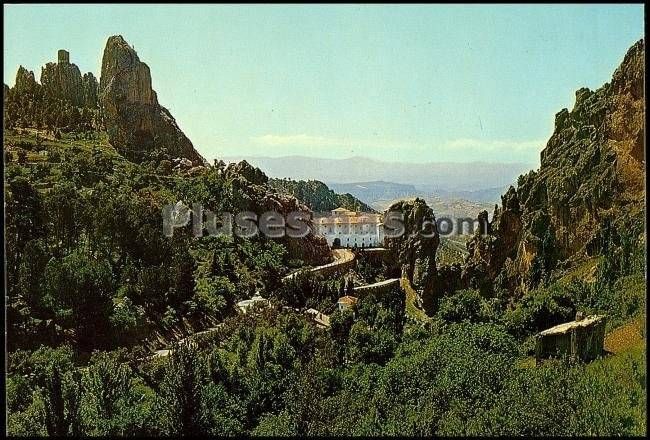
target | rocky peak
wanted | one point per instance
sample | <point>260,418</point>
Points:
<point>62,80</point>
<point>126,77</point>
<point>137,125</point>
<point>25,82</point>
<point>592,173</point>
<point>628,77</point>
<point>90,90</point>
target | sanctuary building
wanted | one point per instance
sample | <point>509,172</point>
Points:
<point>349,229</point>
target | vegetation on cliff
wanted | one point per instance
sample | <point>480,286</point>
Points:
<point>93,285</point>
<point>88,263</point>
<point>317,196</point>
<point>586,196</point>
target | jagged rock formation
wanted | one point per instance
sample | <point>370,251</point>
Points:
<point>591,175</point>
<point>90,90</point>
<point>318,196</point>
<point>414,252</point>
<point>251,193</point>
<point>63,81</point>
<point>63,100</point>
<point>137,125</point>
<point>494,242</point>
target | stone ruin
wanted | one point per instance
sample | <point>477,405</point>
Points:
<point>64,56</point>
<point>580,339</point>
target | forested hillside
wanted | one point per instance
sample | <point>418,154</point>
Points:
<point>318,196</point>
<point>94,288</point>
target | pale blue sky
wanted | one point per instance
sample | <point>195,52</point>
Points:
<point>410,83</point>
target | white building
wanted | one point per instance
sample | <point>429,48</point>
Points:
<point>246,304</point>
<point>347,302</point>
<point>344,228</point>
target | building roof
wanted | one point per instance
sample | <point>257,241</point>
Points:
<point>320,318</point>
<point>349,300</point>
<point>340,209</point>
<point>363,218</point>
<point>249,302</point>
<point>564,328</point>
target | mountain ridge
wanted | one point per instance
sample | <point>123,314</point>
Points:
<point>458,176</point>
<point>585,199</point>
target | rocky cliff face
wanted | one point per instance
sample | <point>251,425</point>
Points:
<point>26,82</point>
<point>252,193</point>
<point>137,125</point>
<point>63,81</point>
<point>494,243</point>
<point>414,252</point>
<point>90,90</point>
<point>591,174</point>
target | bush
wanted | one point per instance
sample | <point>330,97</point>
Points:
<point>464,305</point>
<point>540,309</point>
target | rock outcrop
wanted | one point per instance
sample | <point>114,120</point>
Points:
<point>247,171</point>
<point>63,81</point>
<point>251,192</point>
<point>137,125</point>
<point>90,90</point>
<point>312,249</point>
<point>494,242</point>
<point>63,100</point>
<point>26,83</point>
<point>413,253</point>
<point>591,175</point>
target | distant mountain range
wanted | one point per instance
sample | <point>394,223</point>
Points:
<point>454,204</point>
<point>428,177</point>
<point>371,192</point>
<point>374,193</point>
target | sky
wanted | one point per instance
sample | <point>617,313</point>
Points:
<point>418,83</point>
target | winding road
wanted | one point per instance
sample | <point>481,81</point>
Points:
<point>342,257</point>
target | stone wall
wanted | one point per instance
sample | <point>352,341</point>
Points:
<point>380,287</point>
<point>344,260</point>
<point>63,56</point>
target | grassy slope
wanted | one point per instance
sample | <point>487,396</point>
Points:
<point>452,249</point>
<point>412,310</point>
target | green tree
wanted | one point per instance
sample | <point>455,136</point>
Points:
<point>181,392</point>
